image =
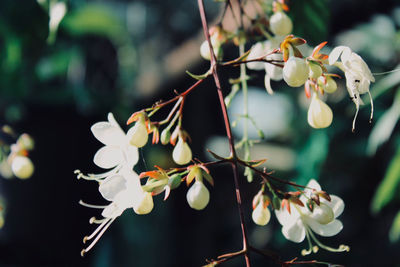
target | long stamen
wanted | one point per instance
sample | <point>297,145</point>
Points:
<point>97,237</point>
<point>97,177</point>
<point>96,221</point>
<point>311,248</point>
<point>355,116</point>
<point>92,206</point>
<point>372,107</point>
<point>341,248</point>
<point>86,238</point>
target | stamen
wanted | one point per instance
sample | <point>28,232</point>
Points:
<point>353,129</point>
<point>372,107</point>
<point>97,237</point>
<point>86,238</point>
<point>386,72</point>
<point>92,206</point>
<point>96,221</point>
<point>308,251</point>
<point>98,177</point>
<point>341,248</point>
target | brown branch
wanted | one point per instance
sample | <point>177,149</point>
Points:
<point>234,164</point>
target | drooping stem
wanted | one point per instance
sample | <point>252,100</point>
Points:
<point>234,163</point>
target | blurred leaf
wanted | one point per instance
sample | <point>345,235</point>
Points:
<point>394,234</point>
<point>310,18</point>
<point>387,188</point>
<point>312,156</point>
<point>94,19</point>
<point>384,127</point>
<point>54,65</point>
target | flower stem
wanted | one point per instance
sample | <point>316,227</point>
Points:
<point>234,163</point>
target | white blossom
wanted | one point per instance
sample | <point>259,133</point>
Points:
<point>116,153</point>
<point>22,167</point>
<point>319,114</point>
<point>301,222</point>
<point>295,71</point>
<point>198,196</point>
<point>358,75</point>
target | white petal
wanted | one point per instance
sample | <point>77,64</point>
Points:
<point>112,211</point>
<point>108,134</point>
<point>132,156</point>
<point>329,229</point>
<point>111,186</point>
<point>294,232</point>
<point>336,204</point>
<point>314,184</point>
<point>335,53</point>
<point>267,83</point>
<point>285,218</point>
<point>108,157</point>
<point>257,50</point>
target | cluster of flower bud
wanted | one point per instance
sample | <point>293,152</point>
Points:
<point>17,163</point>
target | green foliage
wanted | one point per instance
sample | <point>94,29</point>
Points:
<point>387,189</point>
<point>311,18</point>
<point>94,19</point>
<point>394,234</point>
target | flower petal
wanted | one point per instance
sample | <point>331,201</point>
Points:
<point>108,133</point>
<point>108,157</point>
<point>337,51</point>
<point>132,156</point>
<point>314,184</point>
<point>294,232</point>
<point>111,186</point>
<point>112,211</point>
<point>336,204</point>
<point>286,218</point>
<point>329,229</point>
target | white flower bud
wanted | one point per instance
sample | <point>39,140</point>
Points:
<point>182,154</point>
<point>145,204</point>
<point>319,114</point>
<point>261,215</point>
<point>330,86</point>
<point>198,196</point>
<point>281,24</point>
<point>137,135</point>
<point>315,71</point>
<point>22,167</point>
<point>205,49</point>
<point>295,72</point>
<point>322,214</point>
<point>5,170</point>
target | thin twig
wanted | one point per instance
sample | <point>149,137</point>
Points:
<point>234,164</point>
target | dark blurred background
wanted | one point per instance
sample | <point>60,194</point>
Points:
<point>121,56</point>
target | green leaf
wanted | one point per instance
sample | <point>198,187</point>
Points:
<point>198,77</point>
<point>394,233</point>
<point>94,19</point>
<point>384,127</point>
<point>387,188</point>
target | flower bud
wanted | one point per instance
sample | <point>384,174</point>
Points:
<point>165,135</point>
<point>319,114</point>
<point>198,196</point>
<point>261,215</point>
<point>315,70</point>
<point>182,154</point>
<point>137,135</point>
<point>25,141</point>
<point>175,181</point>
<point>295,72</point>
<point>145,204</point>
<point>330,86</point>
<point>5,169</point>
<point>22,167</point>
<point>281,24</point>
<point>322,214</point>
<point>205,49</point>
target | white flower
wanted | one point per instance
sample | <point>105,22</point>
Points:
<point>319,114</point>
<point>198,196</point>
<point>125,191</point>
<point>116,153</point>
<point>358,75</point>
<point>138,135</point>
<point>261,215</point>
<point>281,24</point>
<point>182,154</point>
<point>22,167</point>
<point>295,71</point>
<point>301,223</point>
